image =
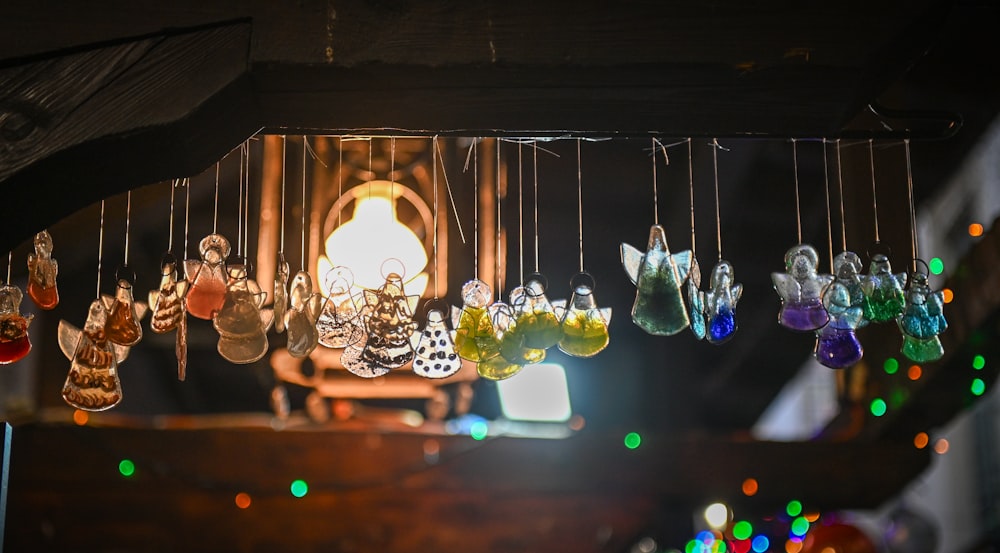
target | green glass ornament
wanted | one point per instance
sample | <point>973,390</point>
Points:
<point>659,306</point>
<point>883,290</point>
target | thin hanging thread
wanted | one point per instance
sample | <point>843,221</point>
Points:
<point>826,187</point>
<point>520,210</point>
<point>840,194</point>
<point>535,163</point>
<point>239,206</point>
<point>170,240</point>
<point>871,159</point>
<point>434,242</point>
<point>579,198</point>
<point>496,185</point>
<point>246,206</point>
<point>913,211</point>
<point>100,250</point>
<point>392,179</point>
<point>798,211</point>
<point>656,207</point>
<point>284,166</point>
<point>10,258</point>
<point>302,258</point>
<point>215,211</point>
<point>128,219</point>
<point>691,190</point>
<point>187,213</point>
<point>447,186</point>
<point>718,219</point>
<point>340,177</point>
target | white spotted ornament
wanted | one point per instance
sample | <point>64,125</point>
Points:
<point>434,351</point>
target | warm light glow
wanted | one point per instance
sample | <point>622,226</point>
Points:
<point>750,487</point>
<point>915,372</point>
<point>372,236</point>
<point>243,500</point>
<point>576,422</point>
<point>941,446</point>
<point>947,295</point>
<point>717,515</point>
<point>812,517</point>
<point>793,546</point>
<point>80,417</point>
<point>975,230</point>
<point>921,440</point>
<point>539,393</point>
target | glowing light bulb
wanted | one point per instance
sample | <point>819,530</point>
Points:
<point>717,515</point>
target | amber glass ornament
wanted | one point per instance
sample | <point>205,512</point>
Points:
<point>92,383</point>
<point>301,318</point>
<point>659,306</point>
<point>14,341</point>
<point>42,273</point>
<point>242,323</point>
<point>389,324</point>
<point>124,312</point>
<point>207,277</point>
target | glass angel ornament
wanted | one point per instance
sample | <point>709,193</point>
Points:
<point>884,297</point>
<point>281,275</point>
<point>837,344</point>
<point>513,340</point>
<point>124,313</point>
<point>14,341</point>
<point>435,355</point>
<point>168,312</point>
<point>42,272</point>
<point>847,269</point>
<point>801,288</point>
<point>339,324</point>
<point>696,301</point>
<point>389,324</point>
<point>353,359</point>
<point>208,277</point>
<point>536,318</point>
<point>301,318</point>
<point>720,303</point>
<point>498,367</point>
<point>242,322</point>
<point>475,336</point>
<point>584,325</point>
<point>659,307</point>
<point>921,321</point>
<point>92,383</point>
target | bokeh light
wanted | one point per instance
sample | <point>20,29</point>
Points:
<point>126,467</point>
<point>750,487</point>
<point>800,526</point>
<point>878,407</point>
<point>794,508</point>
<point>914,372</point>
<point>717,515</point>
<point>742,530</point>
<point>812,517</point>
<point>978,387</point>
<point>80,417</point>
<point>921,440</point>
<point>947,295</point>
<point>978,362</point>
<point>760,544</point>
<point>242,500</point>
<point>936,266</point>
<point>632,440</point>
<point>793,546</point>
<point>890,366</point>
<point>299,488</point>
<point>975,230</point>
<point>941,446</point>
<point>741,546</point>
<point>478,430</point>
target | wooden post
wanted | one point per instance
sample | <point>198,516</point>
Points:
<point>4,476</point>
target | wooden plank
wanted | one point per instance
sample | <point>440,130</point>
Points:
<point>5,444</point>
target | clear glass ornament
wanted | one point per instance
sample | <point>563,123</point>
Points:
<point>801,289</point>
<point>389,324</point>
<point>659,306</point>
<point>124,313</point>
<point>837,344</point>
<point>281,275</point>
<point>884,298</point>
<point>242,323</point>
<point>92,383</point>
<point>42,273</point>
<point>498,367</point>
<point>922,321</point>
<point>435,355</point>
<point>696,301</point>
<point>475,337</point>
<point>14,341</point>
<point>353,360</point>
<point>339,323</point>
<point>584,325</point>
<point>208,277</point>
<point>720,303</point>
<point>847,269</point>
<point>301,318</point>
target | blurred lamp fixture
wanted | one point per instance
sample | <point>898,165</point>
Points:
<point>538,393</point>
<point>374,241</point>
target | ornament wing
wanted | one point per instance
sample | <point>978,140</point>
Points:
<point>69,338</point>
<point>631,260</point>
<point>737,291</point>
<point>682,260</point>
<point>266,318</point>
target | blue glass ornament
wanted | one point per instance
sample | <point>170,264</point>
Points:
<point>720,303</point>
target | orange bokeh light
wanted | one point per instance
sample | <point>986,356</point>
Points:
<point>243,500</point>
<point>80,417</point>
<point>750,487</point>
<point>947,295</point>
<point>793,546</point>
<point>921,440</point>
<point>941,446</point>
<point>915,372</point>
<point>975,230</point>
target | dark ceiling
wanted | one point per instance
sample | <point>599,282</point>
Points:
<point>129,95</point>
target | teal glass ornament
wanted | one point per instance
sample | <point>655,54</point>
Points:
<point>801,288</point>
<point>659,305</point>
<point>696,301</point>
<point>884,298</point>
<point>922,321</point>
<point>720,303</point>
<point>847,269</point>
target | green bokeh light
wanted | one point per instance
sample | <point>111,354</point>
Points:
<point>978,362</point>
<point>978,386</point>
<point>478,430</point>
<point>890,365</point>
<point>299,488</point>
<point>800,526</point>
<point>794,508</point>
<point>878,407</point>
<point>126,467</point>
<point>742,530</point>
<point>936,266</point>
<point>632,440</point>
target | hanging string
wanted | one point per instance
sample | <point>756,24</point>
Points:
<point>246,205</point>
<point>128,220</point>
<point>170,240</point>
<point>829,222</point>
<point>434,242</point>
<point>239,205</point>
<point>447,185</point>
<point>475,205</point>
<point>656,207</point>
<point>840,194</point>
<point>798,211</point>
<point>520,210</point>
<point>100,250</point>
<point>579,198</point>
<point>340,179</point>
<point>496,184</point>
<point>302,259</point>
<point>215,212</point>
<point>871,159</point>
<point>284,166</point>
<point>718,219</point>
<point>535,162</point>
<point>187,213</point>
<point>913,211</point>
<point>691,190</point>
<point>392,179</point>
<point>10,257</point>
